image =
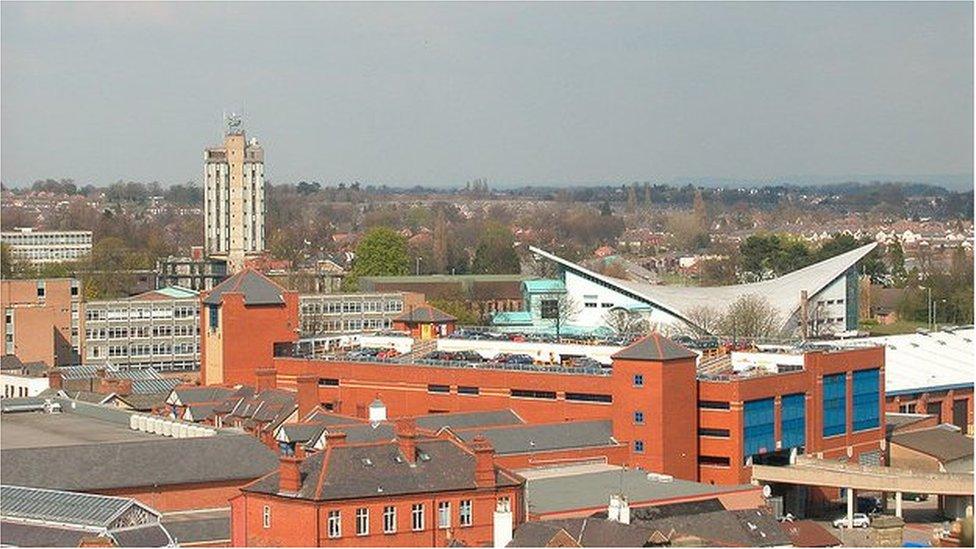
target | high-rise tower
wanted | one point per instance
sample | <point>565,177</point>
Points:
<point>234,197</point>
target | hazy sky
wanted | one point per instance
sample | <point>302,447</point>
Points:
<point>517,93</point>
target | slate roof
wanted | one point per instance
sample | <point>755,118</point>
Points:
<point>897,421</point>
<point>327,418</point>
<point>553,436</point>
<point>198,531</point>
<point>86,372</point>
<point>424,313</point>
<point>195,395</point>
<point>598,532</point>
<point>942,444</point>
<point>18,534</point>
<point>10,362</point>
<point>807,533</point>
<point>200,412</point>
<point>378,470</point>
<point>256,288</point>
<point>654,347</point>
<point>144,403</point>
<point>144,462</point>
<point>154,386</point>
<point>744,528</point>
<point>464,420</point>
<point>151,535</point>
<point>304,432</point>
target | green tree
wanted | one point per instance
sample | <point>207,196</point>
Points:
<point>495,253</point>
<point>381,252</point>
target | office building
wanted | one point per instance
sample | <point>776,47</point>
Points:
<point>158,329</point>
<point>234,197</point>
<point>322,314</point>
<point>41,320</point>
<point>40,247</point>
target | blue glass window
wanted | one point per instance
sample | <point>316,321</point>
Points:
<point>639,418</point>
<point>759,433</point>
<point>834,405</point>
<point>638,380</point>
<point>214,316</point>
<point>639,446</point>
<point>866,399</point>
<point>793,421</point>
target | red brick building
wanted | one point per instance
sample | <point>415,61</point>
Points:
<point>414,491</point>
<point>42,320</point>
<point>241,319</point>
<point>424,322</point>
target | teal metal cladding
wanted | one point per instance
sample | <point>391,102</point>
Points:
<point>834,405</point>
<point>759,432</point>
<point>793,420</point>
<point>867,385</point>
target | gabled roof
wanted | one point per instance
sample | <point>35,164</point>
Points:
<point>654,347</point>
<point>167,293</point>
<point>256,288</point>
<point>808,533</point>
<point>10,362</point>
<point>185,396</point>
<point>377,470</point>
<point>940,443</point>
<point>782,293</point>
<point>424,313</point>
<point>64,507</point>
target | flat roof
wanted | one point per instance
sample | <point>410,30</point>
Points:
<point>39,430</point>
<point>578,491</point>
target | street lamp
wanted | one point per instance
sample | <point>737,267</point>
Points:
<point>935,314</point>
<point>418,265</point>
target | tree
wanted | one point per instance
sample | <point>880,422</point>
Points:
<point>705,320</point>
<point>558,308</point>
<point>699,210</point>
<point>495,253</point>
<point>6,268</point>
<point>896,261</point>
<point>750,316</point>
<point>624,322</point>
<point>687,233</point>
<point>381,252</point>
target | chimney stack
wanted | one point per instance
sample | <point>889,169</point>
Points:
<point>484,462</point>
<point>334,438</point>
<point>308,395</point>
<point>290,475</point>
<point>406,436</point>
<point>266,379</point>
<point>619,509</point>
<point>503,524</point>
<point>377,411</point>
<point>55,379</point>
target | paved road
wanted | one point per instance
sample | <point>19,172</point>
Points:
<point>921,519</point>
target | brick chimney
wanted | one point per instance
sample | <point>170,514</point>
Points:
<point>266,379</point>
<point>308,394</point>
<point>120,387</point>
<point>484,462</point>
<point>290,475</point>
<point>55,379</point>
<point>335,438</point>
<point>405,430</point>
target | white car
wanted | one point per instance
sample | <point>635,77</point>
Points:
<point>860,521</point>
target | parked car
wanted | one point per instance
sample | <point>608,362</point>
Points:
<point>911,496</point>
<point>861,520</point>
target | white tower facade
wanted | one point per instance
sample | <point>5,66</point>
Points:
<point>234,198</point>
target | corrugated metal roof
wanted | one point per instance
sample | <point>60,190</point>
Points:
<point>544,285</point>
<point>60,506</point>
<point>153,386</point>
<point>917,362</point>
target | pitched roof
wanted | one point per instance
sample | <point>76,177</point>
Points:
<point>808,533</point>
<point>744,528</point>
<point>379,470</point>
<point>584,532</point>
<point>654,347</point>
<point>781,292</point>
<point>154,386</point>
<point>10,362</point>
<point>64,507</point>
<point>198,531</point>
<point>196,395</point>
<point>424,313</point>
<point>256,288</point>
<point>554,436</point>
<point>146,462</point>
<point>942,444</point>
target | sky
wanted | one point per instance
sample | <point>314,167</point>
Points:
<point>440,94</point>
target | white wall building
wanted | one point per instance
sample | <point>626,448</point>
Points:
<point>47,246</point>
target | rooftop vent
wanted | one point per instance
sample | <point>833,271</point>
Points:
<point>423,456</point>
<point>367,462</point>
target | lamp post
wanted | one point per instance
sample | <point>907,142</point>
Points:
<point>418,265</point>
<point>935,314</point>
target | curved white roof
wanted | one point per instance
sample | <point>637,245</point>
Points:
<point>783,292</point>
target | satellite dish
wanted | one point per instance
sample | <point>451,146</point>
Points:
<point>767,491</point>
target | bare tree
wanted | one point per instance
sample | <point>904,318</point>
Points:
<point>705,320</point>
<point>625,322</point>
<point>558,308</point>
<point>750,316</point>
